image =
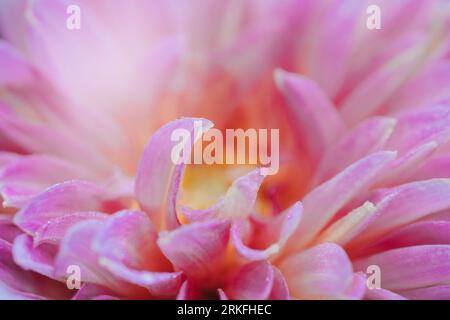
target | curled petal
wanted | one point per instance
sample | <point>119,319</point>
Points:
<point>198,249</point>
<point>129,238</point>
<point>159,284</point>
<point>76,250</point>
<point>61,199</point>
<point>268,238</point>
<point>54,230</point>
<point>237,203</point>
<point>31,175</point>
<point>158,178</point>
<point>39,259</point>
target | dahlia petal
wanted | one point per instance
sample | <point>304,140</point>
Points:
<point>8,231</point>
<point>323,202</point>
<point>351,147</point>
<point>427,88</point>
<point>158,178</point>
<point>381,84</point>
<point>321,272</point>
<point>314,116</point>
<point>280,290</point>
<point>419,233</point>
<point>382,294</point>
<point>188,291</point>
<point>197,249</point>
<point>241,196</point>
<point>89,291</point>
<point>16,71</point>
<point>396,208</point>
<point>129,238</point>
<point>54,229</point>
<point>437,167</point>
<point>401,170</point>
<point>51,141</point>
<point>8,157</point>
<point>237,203</point>
<point>35,173</point>
<point>421,126</point>
<point>410,267</point>
<point>59,200</point>
<point>38,259</point>
<point>271,235</point>
<point>159,284</point>
<point>431,293</point>
<point>345,229</point>
<point>222,294</point>
<point>17,283</point>
<point>76,249</point>
<point>357,287</point>
<point>254,281</point>
<point>330,45</point>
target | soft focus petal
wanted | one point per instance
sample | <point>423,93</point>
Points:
<point>321,272</point>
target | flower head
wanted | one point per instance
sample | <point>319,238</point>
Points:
<point>90,190</point>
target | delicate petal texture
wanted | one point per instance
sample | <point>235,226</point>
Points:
<point>323,202</point>
<point>61,199</point>
<point>346,228</point>
<point>411,267</point>
<point>197,249</point>
<point>396,208</point>
<point>323,271</point>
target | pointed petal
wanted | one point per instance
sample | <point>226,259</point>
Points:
<point>323,202</point>
<point>397,208</point>
<point>313,115</point>
<point>61,199</point>
<point>342,231</point>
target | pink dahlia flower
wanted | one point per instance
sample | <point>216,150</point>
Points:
<point>89,188</point>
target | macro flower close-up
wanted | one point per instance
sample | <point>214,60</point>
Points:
<point>233,150</point>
